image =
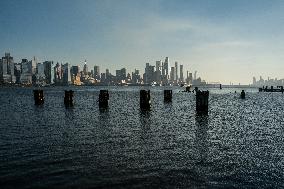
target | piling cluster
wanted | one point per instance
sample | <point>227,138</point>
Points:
<point>168,95</point>
<point>243,94</point>
<point>202,102</point>
<point>103,99</point>
<point>145,100</point>
<point>68,98</point>
<point>271,89</point>
<point>38,97</point>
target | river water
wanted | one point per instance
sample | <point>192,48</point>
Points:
<point>240,144</point>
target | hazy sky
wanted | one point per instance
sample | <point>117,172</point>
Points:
<point>224,40</point>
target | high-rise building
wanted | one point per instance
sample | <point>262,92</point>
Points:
<point>34,65</point>
<point>85,68</point>
<point>58,73</point>
<point>120,75</point>
<point>149,75</point>
<point>40,76</point>
<point>167,66</point>
<point>181,73</point>
<point>47,71</point>
<point>26,75</point>
<point>253,80</point>
<point>176,72</point>
<point>136,77</point>
<point>158,72</point>
<point>97,74</point>
<point>172,74</point>
<point>7,71</point>
<point>17,72</point>
<point>165,71</point>
<point>107,75</point>
<point>65,74</point>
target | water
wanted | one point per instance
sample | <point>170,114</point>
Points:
<point>238,145</point>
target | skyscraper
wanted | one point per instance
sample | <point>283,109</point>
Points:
<point>85,68</point>
<point>26,75</point>
<point>97,74</point>
<point>149,75</point>
<point>181,73</point>
<point>47,71</point>
<point>158,73</point>
<point>7,70</point>
<point>165,71</point>
<point>57,73</point>
<point>172,74</point>
<point>34,65</point>
<point>167,66</point>
<point>65,74</point>
<point>176,72</point>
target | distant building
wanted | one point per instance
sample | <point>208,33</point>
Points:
<point>47,71</point>
<point>172,74</point>
<point>40,76</point>
<point>181,73</point>
<point>176,72</point>
<point>17,72</point>
<point>65,74</point>
<point>26,75</point>
<point>165,71</point>
<point>7,69</point>
<point>158,73</point>
<point>120,75</point>
<point>85,68</point>
<point>75,75</point>
<point>149,75</point>
<point>97,74</point>
<point>254,81</point>
<point>136,77</point>
<point>58,74</point>
<point>34,65</point>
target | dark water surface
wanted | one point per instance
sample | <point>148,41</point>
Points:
<point>240,144</point>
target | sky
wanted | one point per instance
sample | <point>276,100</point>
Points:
<point>223,40</point>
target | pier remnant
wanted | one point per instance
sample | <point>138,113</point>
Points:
<point>271,89</point>
<point>145,100</point>
<point>220,86</point>
<point>168,95</point>
<point>38,97</point>
<point>187,89</point>
<point>243,94</point>
<point>68,98</point>
<point>202,102</point>
<point>103,99</point>
<point>195,89</point>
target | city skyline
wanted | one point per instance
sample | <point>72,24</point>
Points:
<point>225,41</point>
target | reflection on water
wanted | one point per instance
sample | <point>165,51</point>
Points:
<point>238,145</point>
<point>201,122</point>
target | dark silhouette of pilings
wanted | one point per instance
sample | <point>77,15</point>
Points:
<point>195,89</point>
<point>271,89</point>
<point>243,94</point>
<point>68,98</point>
<point>38,97</point>
<point>202,102</point>
<point>220,86</point>
<point>103,99</point>
<point>168,95</point>
<point>187,89</point>
<point>145,100</point>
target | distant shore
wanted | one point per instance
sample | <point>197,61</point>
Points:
<point>129,85</point>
